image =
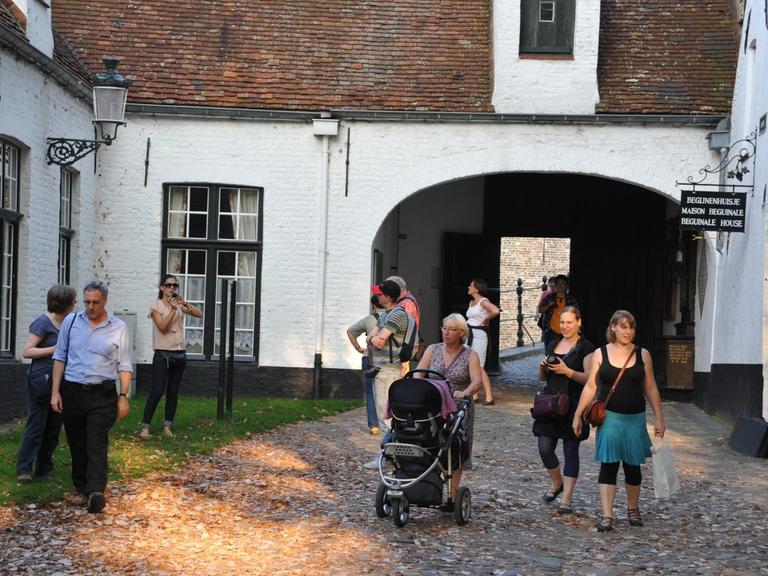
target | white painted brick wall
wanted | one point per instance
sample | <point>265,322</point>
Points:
<point>38,24</point>
<point>33,108</point>
<point>536,86</point>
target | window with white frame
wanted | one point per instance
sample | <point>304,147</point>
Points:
<point>9,234</point>
<point>547,26</point>
<point>213,232</point>
<point>67,186</point>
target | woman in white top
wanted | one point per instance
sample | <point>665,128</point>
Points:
<point>170,357</point>
<point>479,315</point>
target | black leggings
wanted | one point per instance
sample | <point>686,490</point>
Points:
<point>547,446</point>
<point>166,379</point>
<point>609,471</point>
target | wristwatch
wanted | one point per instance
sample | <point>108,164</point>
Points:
<point>123,394</point>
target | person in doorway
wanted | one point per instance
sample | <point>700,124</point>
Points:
<point>92,353</point>
<point>170,358</point>
<point>479,315</point>
<point>565,367</point>
<point>550,289</point>
<point>552,305</point>
<point>366,326</point>
<point>41,434</point>
<point>385,341</point>
<point>461,367</point>
<point>623,435</point>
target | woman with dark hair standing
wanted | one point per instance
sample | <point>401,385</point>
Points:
<point>170,357</point>
<point>565,368</point>
<point>41,435</point>
<point>623,435</point>
<point>479,315</point>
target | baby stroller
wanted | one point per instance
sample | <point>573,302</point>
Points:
<point>425,446</point>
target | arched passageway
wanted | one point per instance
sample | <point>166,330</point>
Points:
<point>626,250</point>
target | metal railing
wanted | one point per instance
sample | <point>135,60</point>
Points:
<point>521,317</point>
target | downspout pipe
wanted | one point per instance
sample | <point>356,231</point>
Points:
<point>324,128</point>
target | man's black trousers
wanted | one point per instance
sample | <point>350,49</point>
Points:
<point>89,413</point>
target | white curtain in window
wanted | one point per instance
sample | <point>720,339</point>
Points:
<point>246,264</point>
<point>177,223</point>
<point>249,204</point>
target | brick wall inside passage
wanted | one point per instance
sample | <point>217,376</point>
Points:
<point>529,259</point>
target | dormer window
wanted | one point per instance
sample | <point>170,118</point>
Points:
<point>546,26</point>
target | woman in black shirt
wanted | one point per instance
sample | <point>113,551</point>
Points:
<point>623,436</point>
<point>567,376</point>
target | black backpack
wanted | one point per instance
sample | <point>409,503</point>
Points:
<point>408,347</point>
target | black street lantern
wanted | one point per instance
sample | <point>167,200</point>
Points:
<point>110,91</point>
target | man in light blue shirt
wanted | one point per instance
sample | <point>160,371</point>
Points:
<point>92,354</point>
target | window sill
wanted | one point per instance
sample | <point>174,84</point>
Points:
<point>546,56</point>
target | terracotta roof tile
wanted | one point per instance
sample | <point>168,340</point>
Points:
<point>12,19</point>
<point>667,56</point>
<point>297,54</point>
<point>64,54</point>
<point>664,56</point>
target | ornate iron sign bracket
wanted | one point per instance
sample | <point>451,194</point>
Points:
<point>735,164</point>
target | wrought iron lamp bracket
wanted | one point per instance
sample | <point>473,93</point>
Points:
<point>734,164</point>
<point>67,151</point>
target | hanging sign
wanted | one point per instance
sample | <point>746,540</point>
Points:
<point>713,211</point>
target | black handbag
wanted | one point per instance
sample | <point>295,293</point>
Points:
<point>40,383</point>
<point>550,406</point>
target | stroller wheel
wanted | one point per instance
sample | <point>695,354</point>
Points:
<point>462,508</point>
<point>383,507</point>
<point>401,511</point>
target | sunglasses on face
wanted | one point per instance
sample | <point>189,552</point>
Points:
<point>171,285</point>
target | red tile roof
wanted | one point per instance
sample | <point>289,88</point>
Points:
<point>291,54</point>
<point>659,56</point>
<point>64,54</point>
<point>11,18</point>
<point>667,56</point>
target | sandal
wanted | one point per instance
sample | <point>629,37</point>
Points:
<point>565,509</point>
<point>550,495</point>
<point>605,524</point>
<point>634,516</point>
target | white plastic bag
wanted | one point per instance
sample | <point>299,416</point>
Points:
<point>665,480</point>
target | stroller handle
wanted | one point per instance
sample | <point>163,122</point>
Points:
<point>410,373</point>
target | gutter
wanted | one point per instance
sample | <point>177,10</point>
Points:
<point>48,66</point>
<point>709,120</point>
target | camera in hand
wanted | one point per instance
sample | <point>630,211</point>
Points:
<point>553,359</point>
<point>175,295</point>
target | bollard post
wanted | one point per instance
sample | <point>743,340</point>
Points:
<point>520,341</point>
<point>222,359</point>
<point>231,351</point>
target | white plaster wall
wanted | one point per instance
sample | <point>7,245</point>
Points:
<point>33,108</point>
<point>38,30</point>
<point>545,86</point>
<point>749,105</point>
<point>389,162</point>
<point>283,158</point>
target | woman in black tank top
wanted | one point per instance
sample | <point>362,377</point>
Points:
<point>623,436</point>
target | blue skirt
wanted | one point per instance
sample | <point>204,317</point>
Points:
<point>623,437</point>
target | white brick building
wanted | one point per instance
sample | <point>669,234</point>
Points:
<point>440,127</point>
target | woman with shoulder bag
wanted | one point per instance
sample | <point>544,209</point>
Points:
<point>623,436</point>
<point>41,435</point>
<point>565,369</point>
<point>170,357</point>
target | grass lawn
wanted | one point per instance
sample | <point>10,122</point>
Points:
<point>197,432</point>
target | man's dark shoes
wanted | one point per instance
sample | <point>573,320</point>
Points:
<point>96,502</point>
<point>550,496</point>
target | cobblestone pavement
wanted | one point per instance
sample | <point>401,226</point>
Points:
<point>297,501</point>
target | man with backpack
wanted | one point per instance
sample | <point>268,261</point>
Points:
<point>387,342</point>
<point>411,307</point>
